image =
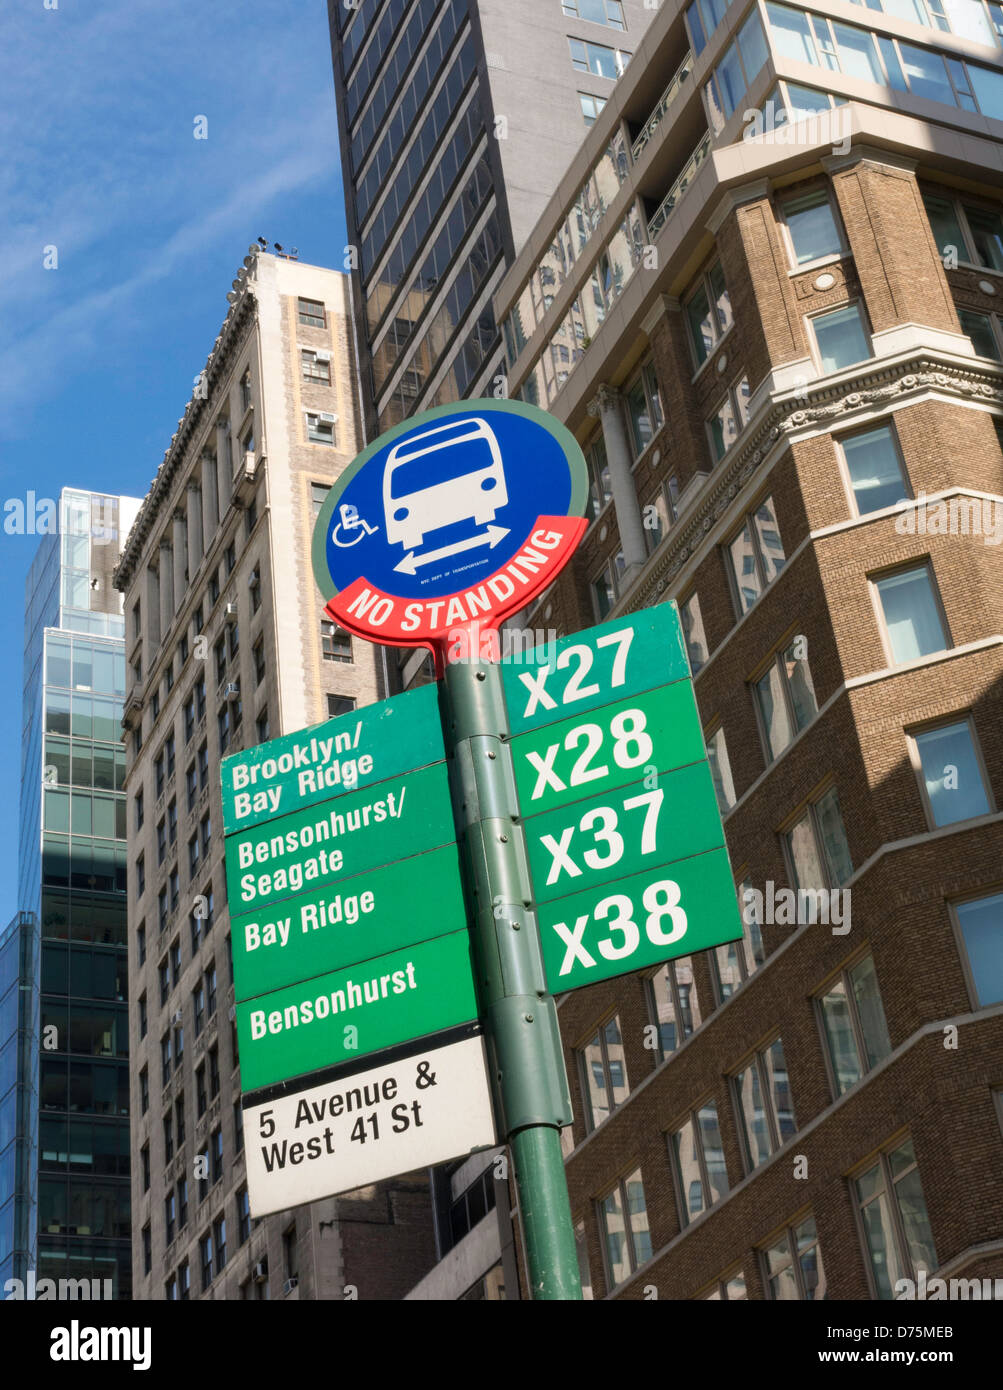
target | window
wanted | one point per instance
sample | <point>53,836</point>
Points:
<point>897,1233</point>
<point>191,787</point>
<point>598,59</point>
<point>703,17</point>
<point>161,840</point>
<point>756,555</point>
<point>623,1222</point>
<point>645,416</point>
<point>793,1265</point>
<point>259,661</point>
<point>219,1236</point>
<point>336,643</point>
<point>230,558</point>
<point>315,368</point>
<point>698,1163</point>
<point>736,962</point>
<point>659,513</point>
<point>171,1289</point>
<point>202,1158</point>
<point>238,1118</point>
<point>603,592</point>
<point>720,770</point>
<point>217,1155</point>
<point>137,802</point>
<point>144,1090</point>
<point>600,488</point>
<point>213,587</point>
<point>731,1290</point>
<point>233,640</point>
<point>841,338</point>
<point>591,106</point>
<point>198,1007</point>
<point>785,699</point>
<point>170,1217</point>
<point>205,830</point>
<point>141,942</point>
<point>765,1111</point>
<point>179,1118</point>
<point>220,652</point>
<point>818,851</point>
<point>147,1249</point>
<point>189,716</point>
<point>142,1015</point>
<point>320,428</point>
<point>737,70</point>
<point>980,921</point>
<point>172,823</point>
<point>261,726</point>
<point>729,420</point>
<point>311,313</point>
<point>912,616</point>
<point>243,1216</point>
<point>874,469</point>
<point>812,227</point>
<point>158,773</point>
<point>182,1195</point>
<point>197,619</point>
<point>145,1160</point>
<point>673,1005</point>
<point>708,313</point>
<point>210,989</point>
<point>174,884</point>
<point>693,631</point>
<point>162,910</point>
<point>201,1095</point>
<point>184,1281</point>
<point>853,1021</point>
<point>983,329</point>
<point>582,1252</point>
<point>203,757</point>
<point>165,1058</point>
<point>966,231</point>
<point>603,1073</point>
<point>175,954</point>
<point>205,1257</point>
<point>179,1047</point>
<point>200,697</point>
<point>339,704</point>
<point>223,728</point>
<point>213,1072</point>
<point>289,1259</point>
<point>608,12</point>
<point>951,773</point>
<point>164,974</point>
<point>318,496</point>
<point>245,390</point>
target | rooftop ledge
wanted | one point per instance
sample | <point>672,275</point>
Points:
<point>724,171</point>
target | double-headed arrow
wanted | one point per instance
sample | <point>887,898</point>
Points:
<point>490,537</point>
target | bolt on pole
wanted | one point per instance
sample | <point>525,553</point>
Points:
<point>526,1062</point>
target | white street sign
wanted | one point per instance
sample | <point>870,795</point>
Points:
<point>368,1125</point>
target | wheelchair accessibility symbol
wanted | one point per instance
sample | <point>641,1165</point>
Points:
<point>353,526</point>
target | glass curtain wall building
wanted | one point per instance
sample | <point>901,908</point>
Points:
<point>64,1138</point>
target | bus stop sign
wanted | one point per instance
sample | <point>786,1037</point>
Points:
<point>450,522</point>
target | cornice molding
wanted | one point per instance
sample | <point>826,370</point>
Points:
<point>877,383</point>
<point>236,326</point>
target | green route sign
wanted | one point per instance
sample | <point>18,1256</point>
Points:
<point>302,769</point>
<point>590,669</point>
<point>350,1013</point>
<point>627,855</point>
<point>607,748</point>
<point>622,832</point>
<point>347,835</point>
<point>639,921</point>
<point>346,921</point>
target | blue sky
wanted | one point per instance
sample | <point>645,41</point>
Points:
<point>98,356</point>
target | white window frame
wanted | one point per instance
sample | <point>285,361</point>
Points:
<point>320,417</point>
<point>789,1235</point>
<point>915,758</point>
<point>882,1160</point>
<point>621,1186</point>
<point>844,469</point>
<point>816,352</point>
<point>809,810</point>
<point>776,660</point>
<point>682,1207</point>
<point>757,1059</point>
<point>875,578</point>
<point>739,408</point>
<point>748,518</point>
<point>843,976</point>
<point>788,196</point>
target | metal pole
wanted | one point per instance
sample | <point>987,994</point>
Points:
<point>530,1085</point>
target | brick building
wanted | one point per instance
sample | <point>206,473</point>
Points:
<point>226,646</point>
<point>778,342</point>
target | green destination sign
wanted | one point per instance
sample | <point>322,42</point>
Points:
<point>609,747</point>
<point>349,1013</point>
<point>349,834</point>
<point>662,818</point>
<point>667,912</point>
<point>349,920</point>
<point>313,765</point>
<point>590,669</point>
